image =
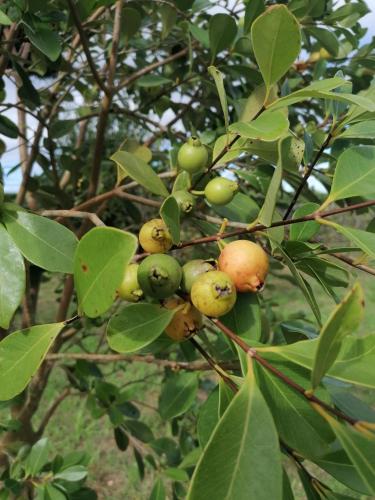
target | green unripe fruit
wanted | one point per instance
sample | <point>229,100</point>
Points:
<point>192,156</point>
<point>159,275</point>
<point>213,293</point>
<point>191,270</point>
<point>1,193</point>
<point>154,236</point>
<point>129,289</point>
<point>220,191</point>
<point>185,200</point>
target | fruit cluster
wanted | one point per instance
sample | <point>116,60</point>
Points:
<point>200,286</point>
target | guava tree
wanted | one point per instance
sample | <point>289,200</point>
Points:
<point>180,162</point>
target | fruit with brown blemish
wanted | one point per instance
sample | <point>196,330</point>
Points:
<point>155,237</point>
<point>186,322</point>
<point>213,293</point>
<point>192,269</point>
<point>159,275</point>
<point>185,201</point>
<point>129,289</point>
<point>192,156</point>
<point>246,263</point>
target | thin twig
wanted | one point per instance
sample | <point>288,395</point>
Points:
<point>73,214</point>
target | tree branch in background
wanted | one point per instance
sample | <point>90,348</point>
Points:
<point>74,214</point>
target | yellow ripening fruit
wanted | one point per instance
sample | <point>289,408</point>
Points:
<point>213,293</point>
<point>154,237</point>
<point>185,323</point>
<point>246,263</point>
<point>129,289</point>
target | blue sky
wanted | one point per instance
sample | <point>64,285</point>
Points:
<point>11,157</point>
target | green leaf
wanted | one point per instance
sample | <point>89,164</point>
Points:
<point>37,458</point>
<point>4,19</point>
<point>241,209</point>
<point>360,130</point>
<point>8,128</point>
<point>266,213</point>
<point>168,17</point>
<point>234,152</point>
<point>360,448</point>
<point>178,394</point>
<point>226,395</point>
<point>222,32</point>
<point>72,474</point>
<point>182,182</point>
<point>43,242</point>
<point>99,264</point>
<point>140,430</point>
<point>301,283</point>
<point>44,39</point>
<point>136,326</point>
<point>241,452</point>
<point>158,491</point>
<point>253,104</point>
<point>354,174</point>
<point>140,171</point>
<point>362,239</point>
<point>208,417</point>
<point>252,10</point>
<point>304,231</point>
<point>327,39</point>
<point>344,320</point>
<point>269,126</point>
<point>176,474</point>
<point>21,354</point>
<point>59,128</point>
<point>150,81</point>
<point>131,20</point>
<point>276,42</point>
<point>219,82</point>
<point>297,423</point>
<point>170,213</point>
<point>12,282</point>
<point>355,363</point>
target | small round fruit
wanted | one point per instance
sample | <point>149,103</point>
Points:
<point>191,270</point>
<point>154,237</point>
<point>159,275</point>
<point>129,289</point>
<point>185,323</point>
<point>213,293</point>
<point>192,156</point>
<point>246,263</point>
<point>220,191</point>
<point>185,200</point>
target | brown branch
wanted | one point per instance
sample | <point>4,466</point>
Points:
<point>9,35</point>
<point>85,45</point>
<point>74,214</point>
<point>352,263</point>
<point>308,172</point>
<point>51,411</point>
<point>291,383</point>
<point>149,359</point>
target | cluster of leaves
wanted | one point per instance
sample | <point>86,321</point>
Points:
<point>295,398</point>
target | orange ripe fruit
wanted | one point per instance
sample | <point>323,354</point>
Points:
<point>246,263</point>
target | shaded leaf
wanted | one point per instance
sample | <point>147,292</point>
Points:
<point>37,458</point>
<point>158,491</point>
<point>170,213</point>
<point>178,394</point>
<point>269,126</point>
<point>222,32</point>
<point>219,82</point>
<point>303,231</point>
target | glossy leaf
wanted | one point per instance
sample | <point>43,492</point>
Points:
<point>360,130</point>
<point>136,326</point>
<point>170,213</point>
<point>267,211</point>
<point>269,126</point>
<point>21,354</point>
<point>182,182</point>
<point>344,320</point>
<point>208,417</point>
<point>360,448</point>
<point>43,242</point>
<point>99,263</point>
<point>8,128</point>
<point>354,174</point>
<point>222,32</point>
<point>12,281</point>
<point>355,363</point>
<point>178,394</point>
<point>219,82</point>
<point>140,171</point>
<point>303,231</point>
<point>240,453</point>
<point>72,474</point>
<point>44,39</point>
<point>276,42</point>
<point>37,458</point>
